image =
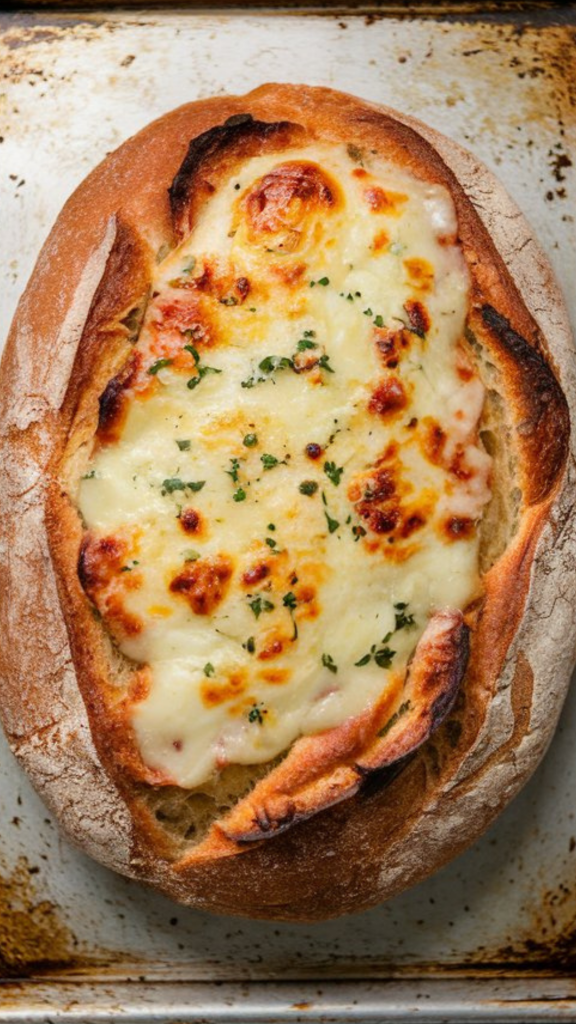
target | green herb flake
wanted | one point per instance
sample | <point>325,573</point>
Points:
<point>233,471</point>
<point>159,365</point>
<point>333,472</point>
<point>184,445</point>
<point>269,461</point>
<point>250,441</point>
<point>193,352</point>
<point>308,487</point>
<point>333,524</point>
<point>90,475</point>
<point>203,371</point>
<point>363,661</point>
<point>379,321</point>
<point>175,484</point>
<point>260,604</point>
<point>384,657</point>
<point>305,343</point>
<point>367,312</point>
<point>250,645</point>
<point>256,714</point>
<point>324,281</point>
<point>271,526</point>
<point>289,600</point>
<point>395,717</point>
<point>209,669</point>
<point>239,494</point>
<point>403,621</point>
<point>324,364</point>
<point>190,555</point>
<point>328,662</point>
<point>270,542</point>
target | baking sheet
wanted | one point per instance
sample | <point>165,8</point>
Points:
<point>74,87</point>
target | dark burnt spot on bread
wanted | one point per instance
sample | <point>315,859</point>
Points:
<point>218,148</point>
<point>545,429</point>
<point>112,404</point>
<point>388,398</point>
<point>204,583</point>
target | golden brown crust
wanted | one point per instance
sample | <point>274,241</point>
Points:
<point>92,273</point>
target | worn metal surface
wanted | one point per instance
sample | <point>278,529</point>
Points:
<point>73,87</point>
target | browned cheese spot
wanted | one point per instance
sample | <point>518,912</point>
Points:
<point>215,693</point>
<point>458,528</point>
<point>275,676</point>
<point>418,317</point>
<point>100,569</point>
<point>391,344</point>
<point>204,583</point>
<point>380,241</point>
<point>191,521</point>
<point>279,205</point>
<point>420,273</point>
<point>255,574</point>
<point>388,398</point>
<point>381,201</point>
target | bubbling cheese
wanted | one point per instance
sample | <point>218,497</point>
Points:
<point>290,480</point>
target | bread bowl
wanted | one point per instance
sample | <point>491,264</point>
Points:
<point>416,758</point>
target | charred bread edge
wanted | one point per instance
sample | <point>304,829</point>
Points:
<point>44,715</point>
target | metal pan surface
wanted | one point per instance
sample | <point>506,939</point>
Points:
<point>493,935</point>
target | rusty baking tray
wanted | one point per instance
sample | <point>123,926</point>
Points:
<point>493,935</point>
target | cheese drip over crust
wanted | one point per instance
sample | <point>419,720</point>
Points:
<point>287,478</point>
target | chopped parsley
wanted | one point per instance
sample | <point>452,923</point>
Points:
<point>128,568</point>
<point>175,484</point>
<point>397,714</point>
<point>358,532</point>
<point>250,645</point>
<point>250,441</point>
<point>367,312</point>
<point>383,656</point>
<point>233,471</point>
<point>260,604</point>
<point>239,494</point>
<point>256,714</point>
<point>208,669</point>
<point>403,621</point>
<point>328,662</point>
<point>333,473</point>
<point>308,487</point>
<point>269,461</point>
<point>324,281</point>
<point>379,321</point>
<point>289,600</point>
<point>271,542</point>
<point>324,364</point>
<point>305,343</point>
<point>271,526</point>
<point>333,524</point>
<point>183,445</point>
<point>90,475</point>
<point>202,372</point>
<point>159,365</point>
<point>268,366</point>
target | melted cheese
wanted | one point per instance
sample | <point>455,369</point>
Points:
<point>255,601</point>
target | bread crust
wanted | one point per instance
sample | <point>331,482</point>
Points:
<point>92,272</point>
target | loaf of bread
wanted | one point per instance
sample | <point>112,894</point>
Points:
<point>286,531</point>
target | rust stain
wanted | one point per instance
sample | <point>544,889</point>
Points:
<point>32,936</point>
